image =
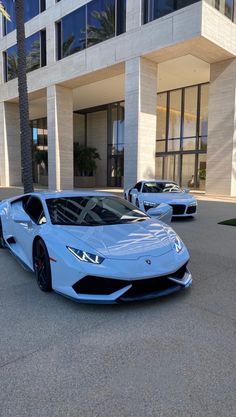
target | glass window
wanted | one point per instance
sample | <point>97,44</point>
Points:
<point>153,9</point>
<point>189,144</point>
<point>34,209</point>
<point>100,21</point>
<point>190,112</point>
<point>32,48</point>
<point>160,146</point>
<point>201,173</point>
<point>175,114</point>
<point>155,187</point>
<point>203,123</point>
<point>73,32</point>
<point>188,169</point>
<point>121,17</point>
<point>11,63</point>
<point>35,46</point>
<point>173,145</point>
<point>31,8</point>
<point>92,211</point>
<point>159,167</point>
<point>171,167</point>
<point>161,8</point>
<point>161,115</point>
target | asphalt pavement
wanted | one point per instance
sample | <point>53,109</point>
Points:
<point>171,357</point>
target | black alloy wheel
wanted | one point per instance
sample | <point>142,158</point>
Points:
<point>2,243</point>
<point>42,266</point>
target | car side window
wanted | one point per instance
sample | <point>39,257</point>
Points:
<point>138,186</point>
<point>34,209</point>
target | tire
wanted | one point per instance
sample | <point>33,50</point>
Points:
<point>42,266</point>
<point>2,243</point>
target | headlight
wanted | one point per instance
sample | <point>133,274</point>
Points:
<point>176,241</point>
<point>178,244</point>
<point>149,204</point>
<point>193,203</point>
<point>85,256</point>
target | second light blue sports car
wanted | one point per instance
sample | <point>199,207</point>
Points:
<point>149,194</point>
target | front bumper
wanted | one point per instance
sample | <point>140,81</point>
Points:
<point>183,210</point>
<point>103,290</point>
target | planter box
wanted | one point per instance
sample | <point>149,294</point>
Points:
<point>84,182</point>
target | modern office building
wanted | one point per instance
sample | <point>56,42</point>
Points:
<point>150,84</point>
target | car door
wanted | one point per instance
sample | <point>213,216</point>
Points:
<point>25,231</point>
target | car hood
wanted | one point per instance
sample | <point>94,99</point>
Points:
<point>123,241</point>
<point>168,198</point>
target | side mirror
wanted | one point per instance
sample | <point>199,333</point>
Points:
<point>133,190</point>
<point>186,190</point>
<point>21,217</point>
<point>154,211</point>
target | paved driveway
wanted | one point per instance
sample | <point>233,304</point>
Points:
<point>165,358</point>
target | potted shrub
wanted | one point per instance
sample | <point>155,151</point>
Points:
<point>85,166</point>
<point>41,159</point>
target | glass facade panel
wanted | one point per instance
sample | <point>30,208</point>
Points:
<point>173,145</point>
<point>171,167</point>
<point>161,115</point>
<point>182,133</point>
<point>159,167</point>
<point>160,146</point>
<point>116,145</point>
<point>11,65</point>
<point>89,25</point>
<point>175,114</point>
<point>203,124</point>
<point>190,112</point>
<point>188,169</point>
<point>100,21</point>
<point>121,17</point>
<point>35,46</point>
<point>201,172</point>
<point>31,8</point>
<point>40,150</point>
<point>73,32</point>
<point>153,9</point>
<point>32,48</point>
<point>189,144</point>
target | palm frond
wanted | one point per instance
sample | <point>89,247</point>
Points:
<point>4,12</point>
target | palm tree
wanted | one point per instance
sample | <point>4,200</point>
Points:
<point>25,132</point>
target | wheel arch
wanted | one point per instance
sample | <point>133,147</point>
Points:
<point>36,238</point>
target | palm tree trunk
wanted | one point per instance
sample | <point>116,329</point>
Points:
<point>25,132</point>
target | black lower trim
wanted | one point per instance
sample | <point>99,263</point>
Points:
<point>178,209</point>
<point>105,286</point>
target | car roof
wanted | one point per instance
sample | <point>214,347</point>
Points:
<point>163,181</point>
<point>68,193</point>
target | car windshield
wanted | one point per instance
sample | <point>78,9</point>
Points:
<point>161,187</point>
<point>92,211</point>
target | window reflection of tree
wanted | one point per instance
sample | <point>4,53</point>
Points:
<point>12,66</point>
<point>105,28</point>
<point>33,57</point>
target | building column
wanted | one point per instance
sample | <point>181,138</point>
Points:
<point>133,14</point>
<point>221,148</point>
<point>60,138</point>
<point>140,120</point>
<point>10,148</point>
